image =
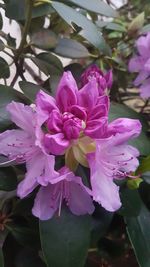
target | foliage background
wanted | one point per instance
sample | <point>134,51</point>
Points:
<point>84,32</point>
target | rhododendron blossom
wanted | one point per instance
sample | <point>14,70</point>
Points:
<point>74,126</point>
<point>141,63</point>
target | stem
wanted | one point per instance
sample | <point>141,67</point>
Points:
<point>29,5</point>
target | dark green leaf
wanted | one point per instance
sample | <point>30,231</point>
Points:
<point>48,63</point>
<point>44,39</point>
<point>146,177</point>
<point>4,69</point>
<point>1,258</point>
<point>145,165</point>
<point>111,26</point>
<point>142,142</point>
<point>26,237</point>
<point>28,258</point>
<point>96,6</point>
<point>131,202</point>
<point>15,9</point>
<point>7,94</point>
<point>139,235</point>
<point>89,30</point>
<point>65,239</point>
<point>2,45</point>
<point>1,21</point>
<point>8,179</point>
<point>30,89</point>
<point>71,48</point>
<point>101,222</point>
<point>53,83</point>
<point>145,29</point>
<point>76,70</point>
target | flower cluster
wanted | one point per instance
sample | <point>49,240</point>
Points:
<point>73,125</point>
<point>141,64</point>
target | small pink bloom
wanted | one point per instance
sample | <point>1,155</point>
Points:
<point>141,63</point>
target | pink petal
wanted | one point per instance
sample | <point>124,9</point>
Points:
<point>145,89</point>
<point>23,116</point>
<point>105,192</point>
<point>143,45</point>
<point>56,143</point>
<point>16,144</point>
<point>54,122</point>
<point>45,205</point>
<point>40,169</point>
<point>97,112</point>
<point>141,77</point>
<point>80,202</point>
<point>79,112</point>
<point>66,95</point>
<point>44,106</point>
<point>127,128</point>
<point>88,95</point>
<point>136,64</point>
<point>96,128</point>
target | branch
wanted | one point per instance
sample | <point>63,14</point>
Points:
<point>29,5</point>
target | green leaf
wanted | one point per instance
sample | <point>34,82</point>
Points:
<point>15,9</point>
<point>96,6</point>
<point>101,222</point>
<point>134,183</point>
<point>28,258</point>
<point>8,179</point>
<point>131,202</point>
<point>4,69</point>
<point>145,29</point>
<point>44,39</point>
<point>26,237</point>
<point>48,63</point>
<point>1,21</point>
<point>65,239</point>
<point>30,89</point>
<point>139,235</point>
<point>136,24</point>
<point>2,45</point>
<point>1,258</point>
<point>71,48</point>
<point>88,29</point>
<point>142,142</point>
<point>144,166</point>
<point>111,26</point>
<point>146,177</point>
<point>7,94</point>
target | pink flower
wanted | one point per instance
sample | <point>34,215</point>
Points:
<point>71,114</point>
<point>73,124</point>
<point>141,63</point>
<point>66,187</point>
<point>104,81</point>
<point>113,159</point>
<point>21,145</point>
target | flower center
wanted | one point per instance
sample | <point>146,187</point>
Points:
<point>72,126</point>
